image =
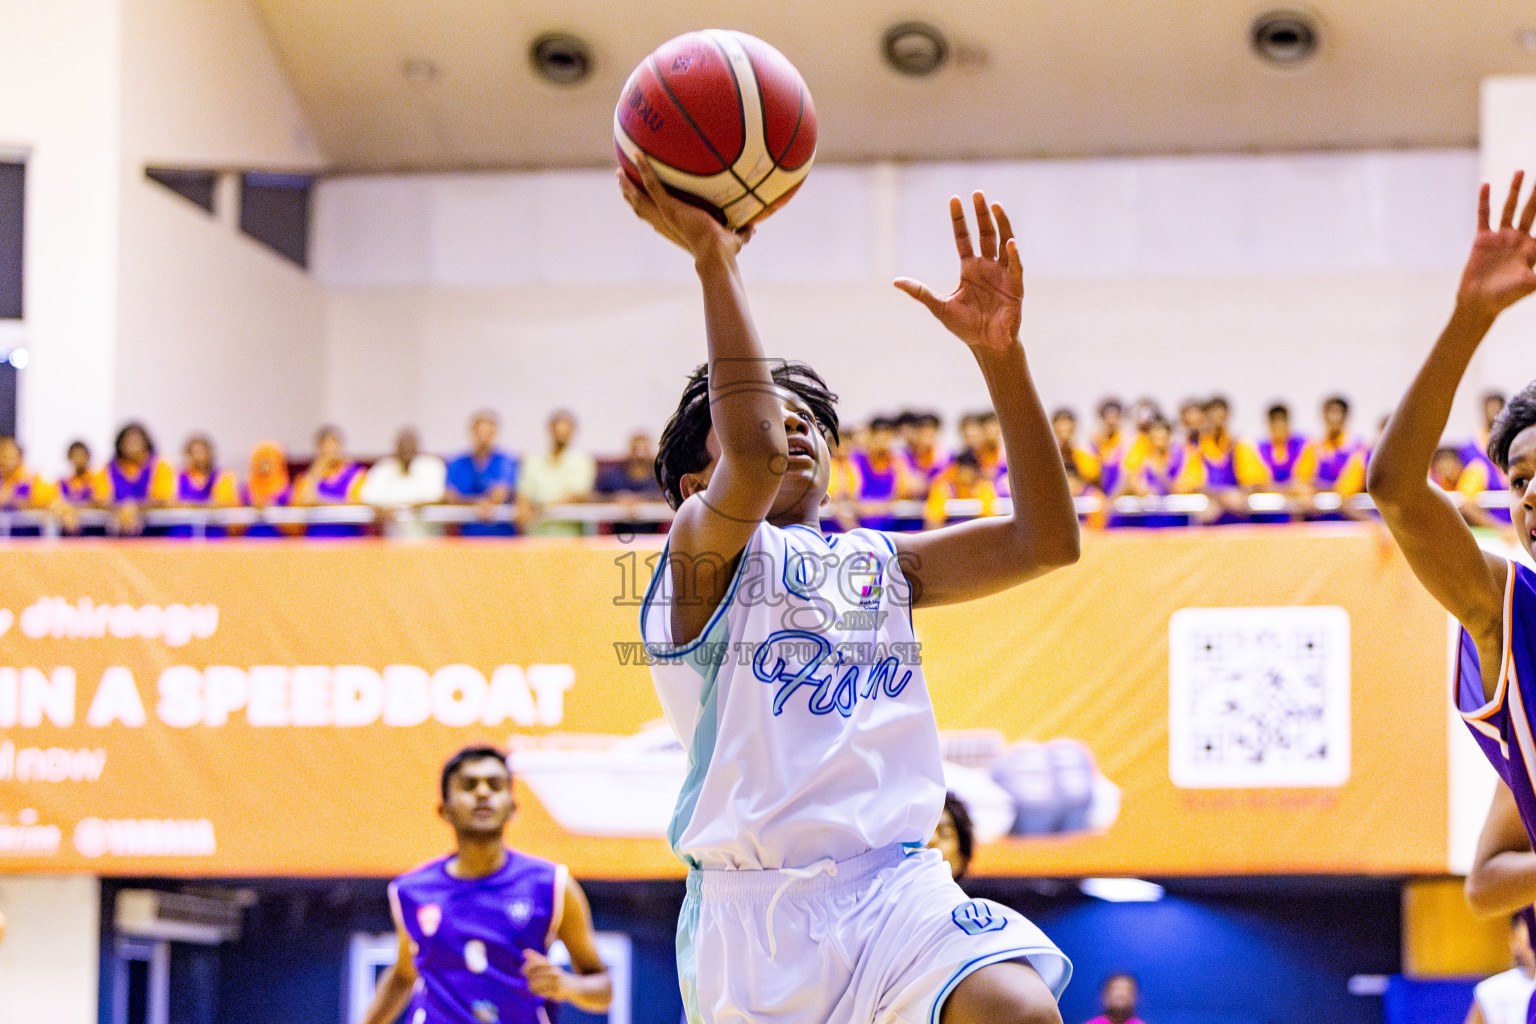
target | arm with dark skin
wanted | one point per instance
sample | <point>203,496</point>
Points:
<point>587,985</point>
<point>1503,875</point>
<point>395,984</point>
<point>1424,520</point>
<point>985,556</point>
<point>723,508</point>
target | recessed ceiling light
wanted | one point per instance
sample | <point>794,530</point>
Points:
<point>1285,38</point>
<point>915,48</point>
<point>419,70</point>
<point>1122,890</point>
<point>1526,39</point>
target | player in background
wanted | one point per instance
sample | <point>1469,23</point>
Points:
<point>135,479</point>
<point>1492,597</point>
<point>1157,470</point>
<point>1192,421</point>
<point>1324,461</point>
<point>82,487</point>
<point>1222,467</point>
<point>1108,444</point>
<point>1477,448</point>
<point>1503,881</point>
<point>961,479</point>
<point>955,838</point>
<point>1281,450</point>
<point>1503,875</point>
<point>883,475</point>
<point>1118,1000</point>
<point>1478,473</point>
<point>925,458</point>
<point>1082,467</point>
<point>810,798</point>
<point>476,926</point>
<point>1505,998</point>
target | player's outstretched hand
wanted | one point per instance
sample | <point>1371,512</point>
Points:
<point>682,223</point>
<point>544,978</point>
<point>1499,271</point>
<point>985,310</point>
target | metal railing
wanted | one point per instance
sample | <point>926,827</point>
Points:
<point>199,521</point>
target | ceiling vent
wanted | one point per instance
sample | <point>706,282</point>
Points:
<point>1285,38</point>
<point>560,58</point>
<point>915,48</point>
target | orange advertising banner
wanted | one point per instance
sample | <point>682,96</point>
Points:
<point>1252,700</point>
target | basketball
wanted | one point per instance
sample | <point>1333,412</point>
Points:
<point>726,120</point>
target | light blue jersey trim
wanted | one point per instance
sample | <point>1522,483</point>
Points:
<point>687,951</point>
<point>1022,953</point>
<point>700,753</point>
<point>702,750</point>
<point>675,651</point>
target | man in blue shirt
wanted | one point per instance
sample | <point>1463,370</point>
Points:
<point>485,477</point>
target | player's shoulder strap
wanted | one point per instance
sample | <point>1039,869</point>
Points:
<point>765,545</point>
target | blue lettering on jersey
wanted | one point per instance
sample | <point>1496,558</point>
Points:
<point>976,918</point>
<point>836,690</point>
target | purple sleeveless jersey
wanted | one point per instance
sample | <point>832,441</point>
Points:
<point>1473,453</point>
<point>1330,465</point>
<point>1222,471</point>
<point>1281,462</point>
<point>127,488</point>
<point>336,488</point>
<point>194,493</point>
<point>1503,726</point>
<point>469,936</point>
<point>873,484</point>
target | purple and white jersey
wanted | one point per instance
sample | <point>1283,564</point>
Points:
<point>1503,726</point>
<point>468,937</point>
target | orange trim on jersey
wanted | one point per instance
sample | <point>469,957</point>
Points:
<point>1521,726</point>
<point>1506,666</point>
<point>557,916</point>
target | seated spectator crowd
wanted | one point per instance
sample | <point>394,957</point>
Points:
<point>893,473</point>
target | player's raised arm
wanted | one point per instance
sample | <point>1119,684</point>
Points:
<point>725,506</point>
<point>1434,538</point>
<point>1503,875</point>
<point>983,556</point>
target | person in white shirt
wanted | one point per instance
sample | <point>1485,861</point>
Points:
<point>560,476</point>
<point>1503,881</point>
<point>1506,998</point>
<point>401,484</point>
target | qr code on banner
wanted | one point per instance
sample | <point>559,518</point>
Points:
<point>1258,697</point>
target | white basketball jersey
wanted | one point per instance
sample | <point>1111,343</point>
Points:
<point>1504,998</point>
<point>802,705</point>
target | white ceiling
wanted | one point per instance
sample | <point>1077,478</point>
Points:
<point>1040,77</point>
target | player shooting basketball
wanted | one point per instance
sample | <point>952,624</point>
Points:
<point>475,926</point>
<point>1494,598</point>
<point>815,779</point>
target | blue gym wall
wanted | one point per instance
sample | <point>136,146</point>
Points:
<point>1256,951</point>
<point>1283,952</point>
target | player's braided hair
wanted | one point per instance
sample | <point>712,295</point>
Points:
<point>1518,414</point>
<point>682,450</point>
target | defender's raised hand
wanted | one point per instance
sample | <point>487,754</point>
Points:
<point>684,224</point>
<point>984,311</point>
<point>1499,271</point>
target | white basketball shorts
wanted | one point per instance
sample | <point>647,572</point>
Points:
<point>883,938</point>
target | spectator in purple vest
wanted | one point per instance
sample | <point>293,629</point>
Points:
<point>332,479</point>
<point>476,926</point>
